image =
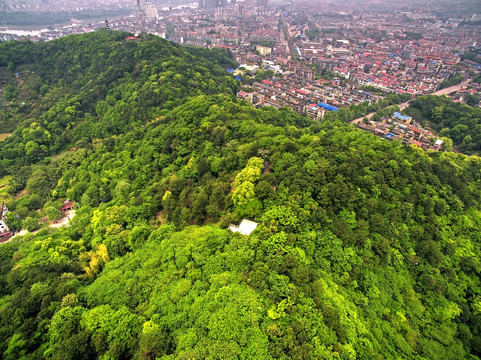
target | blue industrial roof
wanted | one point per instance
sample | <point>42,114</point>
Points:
<point>230,70</point>
<point>328,107</point>
<point>402,117</point>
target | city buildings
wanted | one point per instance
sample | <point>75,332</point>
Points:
<point>318,57</point>
<point>151,11</point>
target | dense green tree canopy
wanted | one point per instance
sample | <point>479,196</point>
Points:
<point>365,248</point>
<point>78,88</point>
<point>459,122</point>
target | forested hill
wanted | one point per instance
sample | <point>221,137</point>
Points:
<point>69,91</point>
<point>365,248</point>
<point>460,122</point>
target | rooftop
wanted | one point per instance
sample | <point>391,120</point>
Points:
<point>246,227</point>
<point>402,117</point>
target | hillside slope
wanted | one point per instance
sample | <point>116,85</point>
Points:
<point>365,249</point>
<point>78,88</point>
<point>459,122</point>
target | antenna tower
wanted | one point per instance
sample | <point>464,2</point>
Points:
<point>141,21</point>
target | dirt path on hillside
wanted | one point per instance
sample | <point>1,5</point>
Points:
<point>64,221</point>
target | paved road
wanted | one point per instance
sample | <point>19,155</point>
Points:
<point>284,40</point>
<point>404,105</point>
<point>452,89</point>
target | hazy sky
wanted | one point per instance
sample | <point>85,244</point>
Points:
<point>51,5</point>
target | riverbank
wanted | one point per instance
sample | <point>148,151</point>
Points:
<point>32,23</point>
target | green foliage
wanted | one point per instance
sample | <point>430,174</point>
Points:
<point>471,99</point>
<point>13,221</point>
<point>99,85</point>
<point>382,107</point>
<point>365,249</point>
<point>30,223</point>
<point>459,122</point>
<point>412,35</point>
<point>471,56</point>
<point>313,31</point>
<point>451,81</point>
<point>244,182</point>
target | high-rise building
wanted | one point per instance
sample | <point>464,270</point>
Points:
<point>151,11</point>
<point>211,4</point>
<point>218,10</point>
<point>241,10</point>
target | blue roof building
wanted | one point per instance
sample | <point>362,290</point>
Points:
<point>327,107</point>
<point>402,117</point>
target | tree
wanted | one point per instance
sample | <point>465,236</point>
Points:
<point>471,100</point>
<point>30,223</point>
<point>244,181</point>
<point>153,342</point>
<point>13,221</point>
<point>122,190</point>
<point>52,213</point>
<point>93,261</point>
<point>437,113</point>
<point>364,249</point>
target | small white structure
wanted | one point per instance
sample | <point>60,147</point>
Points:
<point>3,211</point>
<point>3,227</point>
<point>246,227</point>
<point>438,144</point>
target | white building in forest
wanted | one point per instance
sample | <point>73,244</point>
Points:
<point>246,227</point>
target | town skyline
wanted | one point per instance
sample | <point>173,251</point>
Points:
<point>319,58</point>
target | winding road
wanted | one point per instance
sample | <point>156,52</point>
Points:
<point>404,105</point>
